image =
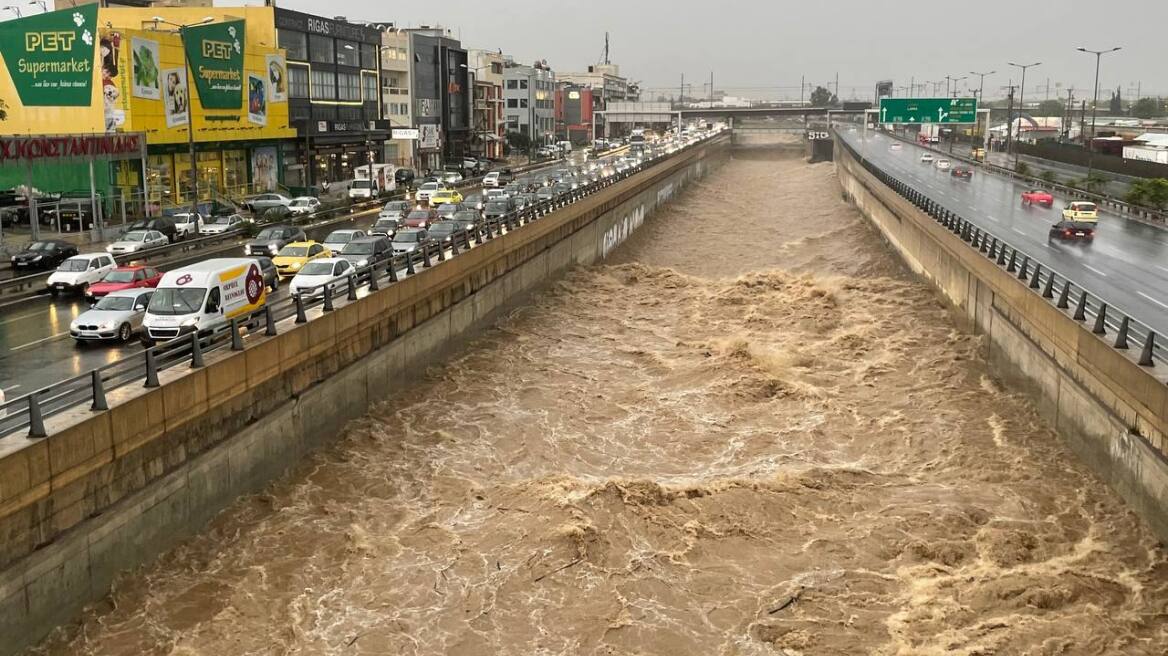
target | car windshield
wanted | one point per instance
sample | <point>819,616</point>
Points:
<point>170,301</point>
<point>41,246</point>
<point>406,236</point>
<point>429,186</point>
<point>119,276</point>
<point>383,224</point>
<point>293,251</point>
<point>419,214</point>
<point>136,235</point>
<point>358,248</point>
<point>470,215</point>
<point>301,202</point>
<point>497,206</point>
<point>339,238</point>
<point>442,228</point>
<point>222,220</point>
<point>271,233</point>
<point>317,269</point>
<point>117,303</point>
<point>397,206</point>
<point>361,184</point>
<point>74,264</point>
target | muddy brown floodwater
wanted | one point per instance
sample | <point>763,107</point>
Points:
<point>748,433</point>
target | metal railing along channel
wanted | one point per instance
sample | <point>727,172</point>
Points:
<point>1106,320</point>
<point>28,413</point>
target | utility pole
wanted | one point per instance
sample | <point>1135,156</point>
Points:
<point>1095,107</point>
<point>802,86</point>
<point>711,89</point>
<point>1010,115</point>
<point>1069,114</point>
<point>681,94</point>
<point>837,85</point>
<point>1021,104</point>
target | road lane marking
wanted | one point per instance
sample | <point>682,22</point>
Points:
<point>1160,267</point>
<point>1088,266</point>
<point>43,339</point>
<point>992,218</point>
<point>1153,300</point>
<point>1018,231</point>
<point>23,317</point>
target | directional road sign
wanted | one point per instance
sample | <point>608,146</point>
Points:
<point>928,110</point>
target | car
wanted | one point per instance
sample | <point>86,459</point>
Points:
<point>124,277</point>
<point>545,194</point>
<point>403,177</point>
<point>421,218</point>
<point>468,219</point>
<point>187,224</point>
<point>268,271</point>
<point>219,225</point>
<point>272,238</point>
<point>426,190</point>
<point>79,272</point>
<point>474,201</point>
<point>304,205</point>
<point>45,254</point>
<point>444,196</point>
<point>136,241</point>
<point>310,281</point>
<point>1073,231</point>
<point>562,188</point>
<point>1037,197</point>
<point>512,188</point>
<point>962,172</point>
<point>1081,210</point>
<point>492,179</point>
<point>496,209</point>
<point>337,239</point>
<point>493,194</point>
<point>447,210</point>
<point>926,158</point>
<point>163,224</point>
<point>367,251</point>
<point>895,145</point>
<point>394,209</point>
<point>944,165</point>
<point>443,231</point>
<point>450,177</point>
<point>410,240</point>
<point>524,200</point>
<point>114,317</point>
<point>384,227</point>
<point>295,255</point>
<point>260,203</point>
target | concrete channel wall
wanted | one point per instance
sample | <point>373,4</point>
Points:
<point>115,488</point>
<point>1111,411</point>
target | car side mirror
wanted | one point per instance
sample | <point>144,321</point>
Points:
<point>139,308</point>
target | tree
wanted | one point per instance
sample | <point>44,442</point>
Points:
<point>519,141</point>
<point>1148,108</point>
<point>821,97</point>
<point>1050,108</point>
<point>1149,192</point>
<point>1116,106</point>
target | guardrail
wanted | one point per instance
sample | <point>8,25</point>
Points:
<point>28,412</point>
<point>1105,318</point>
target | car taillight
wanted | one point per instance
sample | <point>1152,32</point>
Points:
<point>1067,233</point>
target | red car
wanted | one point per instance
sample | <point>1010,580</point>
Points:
<point>1037,197</point>
<point>125,277</point>
<point>421,218</point>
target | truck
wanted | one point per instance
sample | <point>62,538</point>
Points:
<point>930,133</point>
<point>366,186</point>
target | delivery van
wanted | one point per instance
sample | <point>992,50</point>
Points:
<point>202,297</point>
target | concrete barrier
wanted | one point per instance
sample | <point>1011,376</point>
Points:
<point>1111,411</point>
<point>110,490</point>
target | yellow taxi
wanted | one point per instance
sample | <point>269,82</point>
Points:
<point>1082,211</point>
<point>294,256</point>
<point>443,196</point>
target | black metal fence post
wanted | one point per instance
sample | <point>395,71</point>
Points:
<point>1101,321</point>
<point>352,284</point>
<point>328,297</point>
<point>1121,338</point>
<point>36,421</point>
<point>236,337</point>
<point>99,401</point>
<point>1034,279</point>
<point>269,321</point>
<point>1081,308</point>
<point>1064,296</point>
<point>300,316</point>
<point>196,350</point>
<point>1146,359</point>
<point>151,369</point>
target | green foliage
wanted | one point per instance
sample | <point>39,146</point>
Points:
<point>520,141</point>
<point>1049,176</point>
<point>145,68</point>
<point>1148,108</point>
<point>1149,192</point>
<point>821,97</point>
<point>1022,168</point>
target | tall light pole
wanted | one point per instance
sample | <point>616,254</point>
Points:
<point>182,37</point>
<point>953,130</point>
<point>40,3</point>
<point>1021,106</point>
<point>14,9</point>
<point>981,91</point>
<point>1094,106</point>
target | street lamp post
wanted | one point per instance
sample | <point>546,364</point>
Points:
<point>981,91</point>
<point>1021,106</point>
<point>1094,107</point>
<point>182,37</point>
<point>14,9</point>
<point>40,3</point>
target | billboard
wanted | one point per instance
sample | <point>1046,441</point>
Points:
<point>51,57</point>
<point>215,52</point>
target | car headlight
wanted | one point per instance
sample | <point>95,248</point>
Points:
<point>272,249</point>
<point>108,325</point>
<point>295,265</point>
<point>38,258</point>
<point>362,263</point>
<point>187,323</point>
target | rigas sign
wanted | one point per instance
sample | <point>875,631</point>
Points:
<point>216,55</point>
<point>50,57</point>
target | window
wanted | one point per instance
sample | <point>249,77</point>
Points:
<point>297,82</point>
<point>496,68</point>
<point>296,43</point>
<point>512,84</point>
<point>348,113</point>
<point>324,85</point>
<point>369,56</point>
<point>369,84</point>
<point>522,84</point>
<point>348,86</point>
<point>347,54</point>
<point>299,112</point>
<point>320,49</point>
<point>512,103</point>
<point>523,103</point>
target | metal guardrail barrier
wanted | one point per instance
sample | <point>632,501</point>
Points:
<point>1105,318</point>
<point>29,412</point>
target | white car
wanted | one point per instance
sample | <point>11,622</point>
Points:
<point>79,272</point>
<point>187,224</point>
<point>492,179</point>
<point>260,203</point>
<point>137,240</point>
<point>427,190</point>
<point>221,224</point>
<point>944,165</point>
<point>895,146</point>
<point>926,158</point>
<point>115,316</point>
<point>310,280</point>
<point>450,177</point>
<point>338,239</point>
<point>302,205</point>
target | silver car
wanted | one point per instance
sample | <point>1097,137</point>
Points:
<point>115,316</point>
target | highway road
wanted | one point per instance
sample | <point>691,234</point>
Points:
<point>35,347</point>
<point>1126,265</point>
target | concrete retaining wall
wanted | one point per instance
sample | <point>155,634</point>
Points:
<point>1110,410</point>
<point>109,491</point>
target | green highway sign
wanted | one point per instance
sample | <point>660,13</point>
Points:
<point>928,110</point>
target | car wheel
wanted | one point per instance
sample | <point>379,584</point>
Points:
<point>54,292</point>
<point>124,333</point>
<point>84,289</point>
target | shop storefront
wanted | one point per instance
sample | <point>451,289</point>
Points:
<point>231,171</point>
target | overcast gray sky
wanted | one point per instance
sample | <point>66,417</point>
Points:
<point>771,43</point>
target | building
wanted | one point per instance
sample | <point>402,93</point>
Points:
<point>529,93</point>
<point>574,117</point>
<point>397,108</point>
<point>334,97</point>
<point>487,118</point>
<point>440,82</point>
<point>607,85</point>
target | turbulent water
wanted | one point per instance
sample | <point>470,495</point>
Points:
<point>749,433</point>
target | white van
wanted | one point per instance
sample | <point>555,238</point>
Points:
<point>492,179</point>
<point>79,272</point>
<point>203,296</point>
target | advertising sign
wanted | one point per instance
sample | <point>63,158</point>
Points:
<point>50,56</point>
<point>216,55</point>
<point>147,68</point>
<point>175,81</point>
<point>257,99</point>
<point>277,78</point>
<point>428,136</point>
<point>79,146</point>
<point>404,133</point>
<point>264,171</point>
<point>113,80</point>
